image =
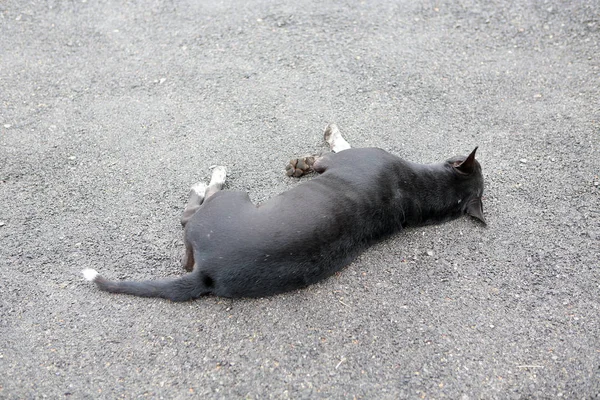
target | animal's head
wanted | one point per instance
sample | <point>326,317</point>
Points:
<point>469,184</point>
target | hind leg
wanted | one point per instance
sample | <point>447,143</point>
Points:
<point>201,192</point>
<point>197,195</point>
<point>305,165</point>
<point>187,261</point>
<point>196,198</point>
<point>217,180</point>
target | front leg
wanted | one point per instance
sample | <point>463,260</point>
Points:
<point>335,139</point>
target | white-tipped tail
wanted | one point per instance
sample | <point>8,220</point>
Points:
<point>89,274</point>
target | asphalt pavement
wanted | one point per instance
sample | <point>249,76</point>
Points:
<point>110,110</point>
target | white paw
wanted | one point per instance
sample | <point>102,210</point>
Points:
<point>89,274</point>
<point>199,188</point>
<point>218,176</point>
<point>335,139</point>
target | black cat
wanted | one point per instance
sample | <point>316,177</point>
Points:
<point>237,249</point>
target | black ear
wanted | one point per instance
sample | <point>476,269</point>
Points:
<point>475,209</point>
<point>467,166</point>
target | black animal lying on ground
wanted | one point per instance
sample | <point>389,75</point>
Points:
<point>237,249</point>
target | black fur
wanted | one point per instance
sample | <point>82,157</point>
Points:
<point>308,233</point>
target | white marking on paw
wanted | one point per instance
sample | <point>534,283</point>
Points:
<point>218,176</point>
<point>199,188</point>
<point>89,274</point>
<point>336,140</point>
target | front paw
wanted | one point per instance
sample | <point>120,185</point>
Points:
<point>300,166</point>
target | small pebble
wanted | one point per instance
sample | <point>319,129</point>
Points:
<point>523,161</point>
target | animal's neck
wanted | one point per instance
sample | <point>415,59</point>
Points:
<point>427,194</point>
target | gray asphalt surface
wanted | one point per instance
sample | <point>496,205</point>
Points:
<point>110,110</point>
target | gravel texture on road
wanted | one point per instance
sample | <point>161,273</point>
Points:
<point>110,110</point>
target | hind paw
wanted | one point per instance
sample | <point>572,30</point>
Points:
<point>300,166</point>
<point>199,189</point>
<point>219,174</point>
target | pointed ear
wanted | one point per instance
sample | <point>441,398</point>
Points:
<point>475,209</point>
<point>467,166</point>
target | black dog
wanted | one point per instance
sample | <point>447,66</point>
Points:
<point>237,249</point>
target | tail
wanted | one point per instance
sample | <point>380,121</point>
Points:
<point>188,287</point>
